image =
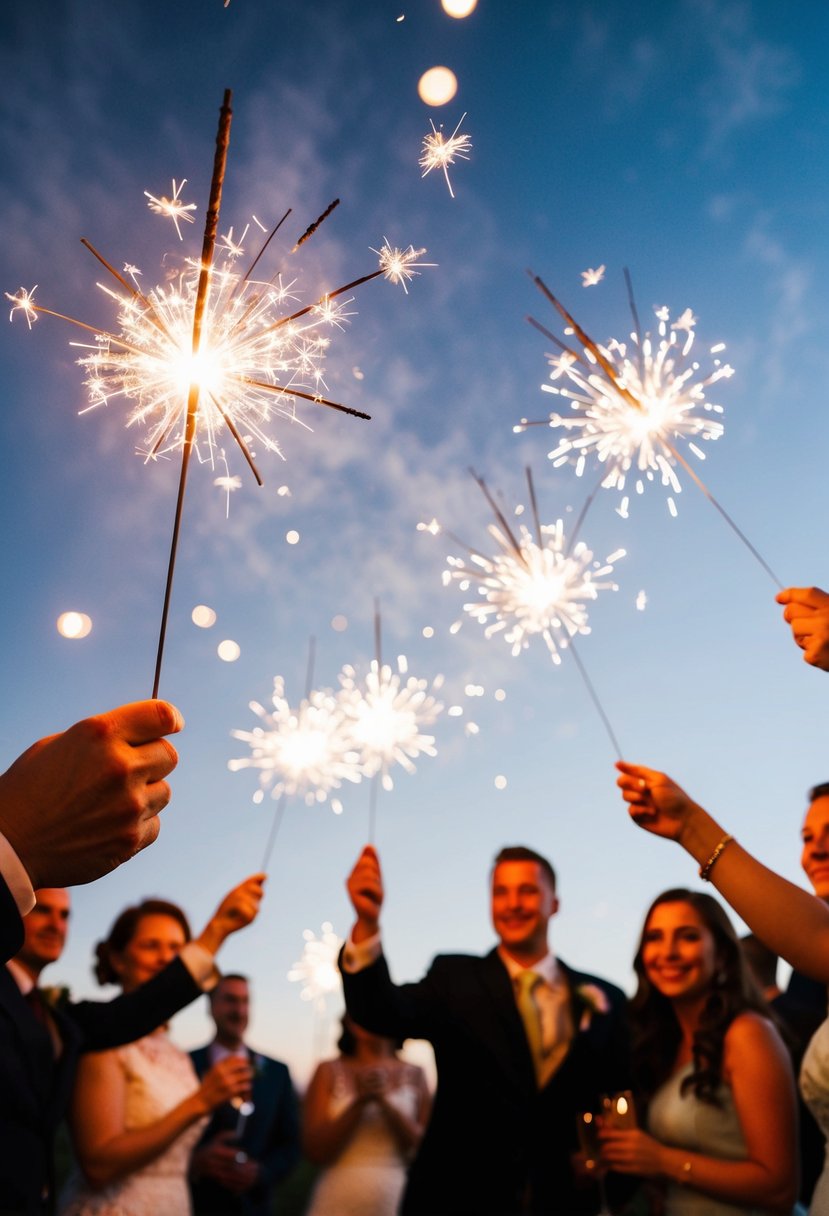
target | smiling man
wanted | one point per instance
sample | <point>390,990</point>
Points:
<point>522,1043</point>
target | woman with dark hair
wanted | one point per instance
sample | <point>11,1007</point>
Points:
<point>364,1115</point>
<point>137,1111</point>
<point>714,1080</point>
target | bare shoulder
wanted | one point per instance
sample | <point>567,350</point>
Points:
<point>748,1034</point>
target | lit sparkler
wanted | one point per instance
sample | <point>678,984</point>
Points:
<point>307,751</point>
<point>317,969</point>
<point>631,403</point>
<point>439,152</point>
<point>386,714</point>
<point>174,208</point>
<point>214,348</point>
<point>532,585</point>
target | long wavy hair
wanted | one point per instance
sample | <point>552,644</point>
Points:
<point>655,1030</point>
<point>124,929</point>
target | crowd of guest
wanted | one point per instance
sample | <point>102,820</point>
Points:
<point>555,1093</point>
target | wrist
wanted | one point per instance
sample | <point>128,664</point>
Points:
<point>212,936</point>
<point>364,929</point>
<point>700,834</point>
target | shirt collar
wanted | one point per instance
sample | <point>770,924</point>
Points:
<point>21,977</point>
<point>547,967</point>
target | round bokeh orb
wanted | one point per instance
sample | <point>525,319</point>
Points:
<point>458,8</point>
<point>228,650</point>
<point>437,86</point>
<point>74,625</point>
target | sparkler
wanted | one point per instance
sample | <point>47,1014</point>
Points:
<point>306,752</point>
<point>439,152</point>
<point>631,404</point>
<point>317,969</point>
<point>215,348</point>
<point>533,586</point>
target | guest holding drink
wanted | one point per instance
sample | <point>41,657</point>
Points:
<point>137,1111</point>
<point>712,1074</point>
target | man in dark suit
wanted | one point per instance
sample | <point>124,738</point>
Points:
<point>243,1153</point>
<point>522,1043</point>
<point>41,1038</point>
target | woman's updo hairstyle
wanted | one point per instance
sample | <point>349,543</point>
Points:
<point>124,930</point>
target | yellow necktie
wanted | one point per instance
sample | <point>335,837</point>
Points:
<point>526,983</point>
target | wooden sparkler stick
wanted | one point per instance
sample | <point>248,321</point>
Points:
<point>210,228</point>
<point>534,505</point>
<point>595,699</point>
<point>737,531</point>
<point>499,515</point>
<point>311,229</point>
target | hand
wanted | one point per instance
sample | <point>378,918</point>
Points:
<point>657,804</point>
<point>630,1152</point>
<point>807,611</point>
<point>232,1077</point>
<point>220,1159</point>
<point>238,908</point>
<point>365,890</point>
<point>372,1081</point>
<point>77,804</point>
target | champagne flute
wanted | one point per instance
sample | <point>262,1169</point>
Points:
<point>588,1130</point>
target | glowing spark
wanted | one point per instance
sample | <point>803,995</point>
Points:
<point>400,265</point>
<point>641,601</point>
<point>386,717</point>
<point>229,482</point>
<point>589,278</point>
<point>173,208</point>
<point>317,970</point>
<point>23,301</point>
<point>532,586</point>
<point>306,751</point>
<point>438,152</point>
<point>433,527</point>
<point>630,403</point>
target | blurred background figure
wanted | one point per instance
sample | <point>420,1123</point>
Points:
<point>713,1076</point>
<point>246,1148</point>
<point>364,1116</point>
<point>137,1111</point>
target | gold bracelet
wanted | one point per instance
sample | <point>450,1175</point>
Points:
<point>705,871</point>
<point>685,1176</point>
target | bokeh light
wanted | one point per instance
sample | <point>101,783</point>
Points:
<point>458,8</point>
<point>500,782</point>
<point>228,651</point>
<point>203,616</point>
<point>437,86</point>
<point>339,623</point>
<point>292,537</point>
<point>74,625</point>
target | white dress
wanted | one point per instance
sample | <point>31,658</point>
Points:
<point>368,1177</point>
<point>158,1076</point>
<point>681,1120</point>
<point>814,1086</point>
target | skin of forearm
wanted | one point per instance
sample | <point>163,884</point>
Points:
<point>743,1182</point>
<point>789,920</point>
<point>130,1150</point>
<point>324,1139</point>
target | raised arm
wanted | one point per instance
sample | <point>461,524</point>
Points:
<point>237,910</point>
<point>788,919</point>
<point>365,890</point>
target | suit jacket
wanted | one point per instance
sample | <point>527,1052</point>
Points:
<point>270,1137</point>
<point>11,924</point>
<point>35,1088</point>
<point>496,1145</point>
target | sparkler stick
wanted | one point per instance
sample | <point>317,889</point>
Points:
<point>276,824</point>
<point>208,244</point>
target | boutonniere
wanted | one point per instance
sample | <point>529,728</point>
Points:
<point>55,996</point>
<point>594,1000</point>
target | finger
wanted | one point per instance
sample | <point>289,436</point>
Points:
<point>810,597</point>
<point>141,721</point>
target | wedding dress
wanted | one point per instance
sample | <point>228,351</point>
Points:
<point>368,1177</point>
<point>158,1076</point>
<point>683,1121</point>
<point>814,1086</point>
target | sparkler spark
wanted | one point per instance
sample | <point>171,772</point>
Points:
<point>174,208</point>
<point>400,265</point>
<point>307,751</point>
<point>317,969</point>
<point>386,717</point>
<point>631,402</point>
<point>589,278</point>
<point>23,301</point>
<point>439,152</point>
<point>532,585</point>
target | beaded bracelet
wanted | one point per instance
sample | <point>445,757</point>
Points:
<point>705,871</point>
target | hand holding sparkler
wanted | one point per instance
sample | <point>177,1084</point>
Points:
<point>656,803</point>
<point>239,908</point>
<point>365,890</point>
<point>77,804</point>
<point>807,611</point>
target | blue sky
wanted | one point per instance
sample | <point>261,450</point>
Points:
<point>686,141</point>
